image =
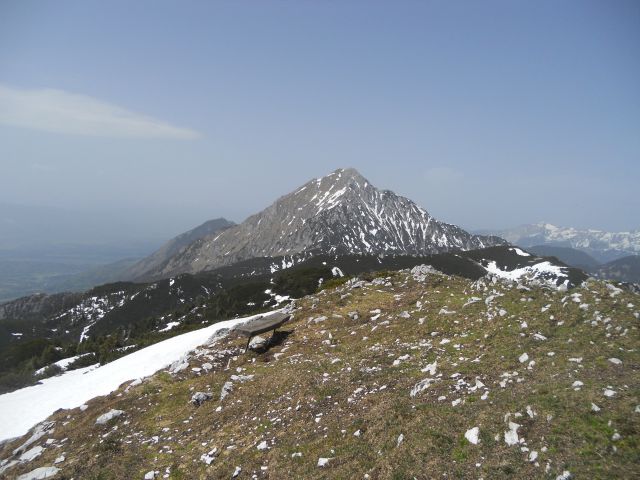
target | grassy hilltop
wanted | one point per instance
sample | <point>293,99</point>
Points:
<point>387,378</point>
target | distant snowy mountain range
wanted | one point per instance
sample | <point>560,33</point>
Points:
<point>341,213</point>
<point>601,245</point>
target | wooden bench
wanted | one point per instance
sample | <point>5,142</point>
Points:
<point>262,324</point>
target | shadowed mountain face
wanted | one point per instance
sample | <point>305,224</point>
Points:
<point>341,213</point>
<point>158,260</point>
<point>626,269</point>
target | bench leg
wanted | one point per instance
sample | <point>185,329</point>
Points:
<point>247,346</point>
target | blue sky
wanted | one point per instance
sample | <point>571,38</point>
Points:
<point>488,114</point>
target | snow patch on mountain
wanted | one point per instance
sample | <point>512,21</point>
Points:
<point>22,409</point>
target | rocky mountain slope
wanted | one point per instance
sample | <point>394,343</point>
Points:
<point>160,257</point>
<point>341,213</point>
<point>603,246</point>
<point>412,374</point>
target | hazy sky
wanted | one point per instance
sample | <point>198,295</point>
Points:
<point>488,114</point>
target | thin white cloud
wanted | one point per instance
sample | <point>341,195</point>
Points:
<point>71,113</point>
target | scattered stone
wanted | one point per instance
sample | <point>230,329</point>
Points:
<point>31,454</point>
<point>422,385</point>
<point>236,472</point>
<point>199,398</point>
<point>523,358</point>
<point>41,473</point>
<point>430,368</point>
<point>111,414</point>
<point>322,462</point>
<point>511,436</point>
<point>262,445</point>
<point>615,361</point>
<point>39,431</point>
<point>227,388</point>
<point>209,457</point>
<point>400,439</point>
<point>472,435</point>
<point>258,342</point>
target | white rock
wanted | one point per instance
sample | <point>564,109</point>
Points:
<point>609,393</point>
<point>430,368</point>
<point>262,445</point>
<point>523,358</point>
<point>595,408</point>
<point>59,459</point>
<point>199,398</point>
<point>6,465</point>
<point>533,455</point>
<point>39,473</point>
<point>323,461</point>
<point>296,454</point>
<point>39,431</point>
<point>400,439</point>
<point>104,418</point>
<point>236,472</point>
<point>226,389</point>
<point>511,436</point>
<point>566,475</point>
<point>150,475</point>
<point>472,435</point>
<point>615,361</point>
<point>259,342</point>
<point>31,454</point>
<point>357,433</point>
<point>422,385</point>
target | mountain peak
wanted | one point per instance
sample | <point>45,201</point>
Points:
<point>340,178</point>
<point>349,172</point>
<point>340,213</point>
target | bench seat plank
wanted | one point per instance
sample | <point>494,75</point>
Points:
<point>263,324</point>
